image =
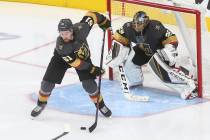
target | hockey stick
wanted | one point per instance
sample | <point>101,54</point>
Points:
<point>61,135</point>
<point>124,84</point>
<point>94,125</point>
<point>125,87</point>
<point>126,91</point>
<point>66,131</point>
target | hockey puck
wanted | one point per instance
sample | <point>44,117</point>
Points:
<point>83,128</point>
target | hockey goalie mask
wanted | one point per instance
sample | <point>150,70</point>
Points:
<point>140,21</point>
<point>65,28</point>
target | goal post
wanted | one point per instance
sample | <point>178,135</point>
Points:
<point>127,8</point>
<point>109,36</point>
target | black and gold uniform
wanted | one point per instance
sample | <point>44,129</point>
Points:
<point>153,37</point>
<point>74,53</point>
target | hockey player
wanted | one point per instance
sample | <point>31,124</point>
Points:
<point>72,51</point>
<point>143,41</point>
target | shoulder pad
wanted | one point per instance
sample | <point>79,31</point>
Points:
<point>157,25</point>
<point>81,30</point>
<point>127,25</point>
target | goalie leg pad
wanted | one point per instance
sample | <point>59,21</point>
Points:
<point>133,72</point>
<point>173,79</point>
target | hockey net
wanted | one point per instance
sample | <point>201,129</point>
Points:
<point>184,22</point>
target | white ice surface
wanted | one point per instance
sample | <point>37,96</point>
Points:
<point>21,74</point>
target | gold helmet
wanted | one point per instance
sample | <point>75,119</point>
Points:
<point>140,18</point>
<point>140,21</point>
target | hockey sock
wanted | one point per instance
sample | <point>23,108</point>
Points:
<point>102,107</point>
<point>43,97</point>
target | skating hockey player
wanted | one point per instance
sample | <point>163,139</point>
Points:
<point>145,41</point>
<point>72,51</point>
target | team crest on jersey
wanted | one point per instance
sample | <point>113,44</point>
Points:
<point>146,48</point>
<point>60,47</point>
<point>83,52</point>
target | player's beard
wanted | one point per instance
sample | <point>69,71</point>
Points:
<point>67,36</point>
<point>70,38</point>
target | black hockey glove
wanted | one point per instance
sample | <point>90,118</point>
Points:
<point>96,71</point>
<point>105,24</point>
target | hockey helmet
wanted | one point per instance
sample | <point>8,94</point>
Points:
<point>65,25</point>
<point>140,18</point>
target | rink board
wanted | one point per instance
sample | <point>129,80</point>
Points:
<point>74,99</point>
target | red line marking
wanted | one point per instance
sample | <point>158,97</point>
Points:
<point>44,45</point>
<point>34,49</point>
<point>29,64</point>
<point>24,63</point>
<point>30,50</point>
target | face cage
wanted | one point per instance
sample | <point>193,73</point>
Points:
<point>143,20</point>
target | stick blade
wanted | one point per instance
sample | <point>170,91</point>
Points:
<point>91,128</point>
<point>61,135</point>
<point>137,98</point>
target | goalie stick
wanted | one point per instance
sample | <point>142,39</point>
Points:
<point>124,84</point>
<point>126,91</point>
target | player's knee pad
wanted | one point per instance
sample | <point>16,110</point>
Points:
<point>90,87</point>
<point>47,87</point>
<point>133,72</point>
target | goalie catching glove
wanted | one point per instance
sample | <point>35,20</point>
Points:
<point>96,71</point>
<point>168,54</point>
